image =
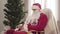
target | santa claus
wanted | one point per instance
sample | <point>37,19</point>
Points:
<point>38,20</point>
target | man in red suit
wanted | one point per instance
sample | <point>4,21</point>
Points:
<point>38,20</point>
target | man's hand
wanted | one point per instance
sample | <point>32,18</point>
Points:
<point>20,26</point>
<point>34,23</point>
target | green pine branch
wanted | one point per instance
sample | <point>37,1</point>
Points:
<point>14,13</point>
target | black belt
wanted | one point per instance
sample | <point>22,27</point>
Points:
<point>37,32</point>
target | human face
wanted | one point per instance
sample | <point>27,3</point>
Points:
<point>35,8</point>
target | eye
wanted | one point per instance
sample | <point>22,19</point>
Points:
<point>34,9</point>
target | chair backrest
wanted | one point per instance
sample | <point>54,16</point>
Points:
<point>50,27</point>
<point>47,12</point>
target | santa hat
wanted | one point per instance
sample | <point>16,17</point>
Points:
<point>37,4</point>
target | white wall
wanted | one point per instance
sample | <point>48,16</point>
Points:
<point>2,2</point>
<point>58,22</point>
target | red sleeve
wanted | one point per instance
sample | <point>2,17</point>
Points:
<point>42,21</point>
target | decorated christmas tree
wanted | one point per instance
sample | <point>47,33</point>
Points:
<point>14,13</point>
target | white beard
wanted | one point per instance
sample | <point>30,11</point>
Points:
<point>35,16</point>
<point>30,19</point>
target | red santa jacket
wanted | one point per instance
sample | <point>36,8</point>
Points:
<point>42,22</point>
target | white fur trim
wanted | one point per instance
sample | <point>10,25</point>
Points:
<point>35,7</point>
